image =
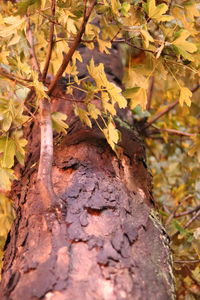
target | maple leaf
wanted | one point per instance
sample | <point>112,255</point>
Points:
<point>157,12</point>
<point>183,46</point>
<point>185,95</point>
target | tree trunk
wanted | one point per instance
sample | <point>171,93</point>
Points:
<point>106,243</point>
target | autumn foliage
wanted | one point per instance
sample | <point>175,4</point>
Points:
<point>158,42</point>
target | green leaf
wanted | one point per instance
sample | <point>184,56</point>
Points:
<point>23,5</point>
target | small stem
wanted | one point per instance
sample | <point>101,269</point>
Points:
<point>50,47</point>
<point>174,131</point>
<point>188,212</point>
<point>33,57</point>
<point>150,93</point>
<point>44,175</point>
<point>18,80</point>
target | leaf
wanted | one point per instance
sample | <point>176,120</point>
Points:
<point>185,95</point>
<point>23,5</point>
<point>104,45</point>
<point>6,175</point>
<point>40,88</point>
<point>97,72</point>
<point>58,119</point>
<point>116,96</point>
<point>15,23</point>
<point>83,115</point>
<point>147,37</point>
<point>20,144</point>
<point>112,134</point>
<point>157,12</point>
<point>184,46</point>
<point>107,106</point>
<point>195,148</point>
<point>93,111</point>
<point>138,96</point>
<point>7,147</point>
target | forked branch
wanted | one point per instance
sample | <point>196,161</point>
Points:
<point>46,150</point>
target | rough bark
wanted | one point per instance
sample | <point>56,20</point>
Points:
<point>105,244</point>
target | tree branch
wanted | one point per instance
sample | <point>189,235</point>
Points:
<point>18,80</point>
<point>188,212</point>
<point>161,113</point>
<point>150,93</point>
<point>33,57</point>
<point>167,109</point>
<point>44,176</point>
<point>50,47</point>
<point>187,261</point>
<point>187,224</point>
<point>174,131</point>
<point>68,56</point>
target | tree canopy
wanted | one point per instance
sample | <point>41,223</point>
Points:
<point>158,42</point>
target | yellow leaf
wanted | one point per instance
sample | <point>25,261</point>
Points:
<point>58,123</point>
<point>16,23</point>
<point>106,105</point>
<point>195,148</point>
<point>6,175</point>
<point>83,115</point>
<point>97,72</point>
<point>185,95</point>
<point>115,5</point>
<point>147,37</point>
<point>112,134</point>
<point>138,97</point>
<point>93,111</point>
<point>103,45</point>
<point>116,96</point>
<point>191,9</point>
<point>157,12</point>
<point>181,43</point>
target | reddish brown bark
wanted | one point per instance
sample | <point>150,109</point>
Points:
<point>104,244</point>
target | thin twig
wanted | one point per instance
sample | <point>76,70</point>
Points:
<point>174,131</point>
<point>187,261</point>
<point>176,208</point>
<point>12,77</point>
<point>161,113</point>
<point>50,47</point>
<point>150,93</point>
<point>192,219</point>
<point>187,224</point>
<point>188,212</point>
<point>132,45</point>
<point>33,57</point>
